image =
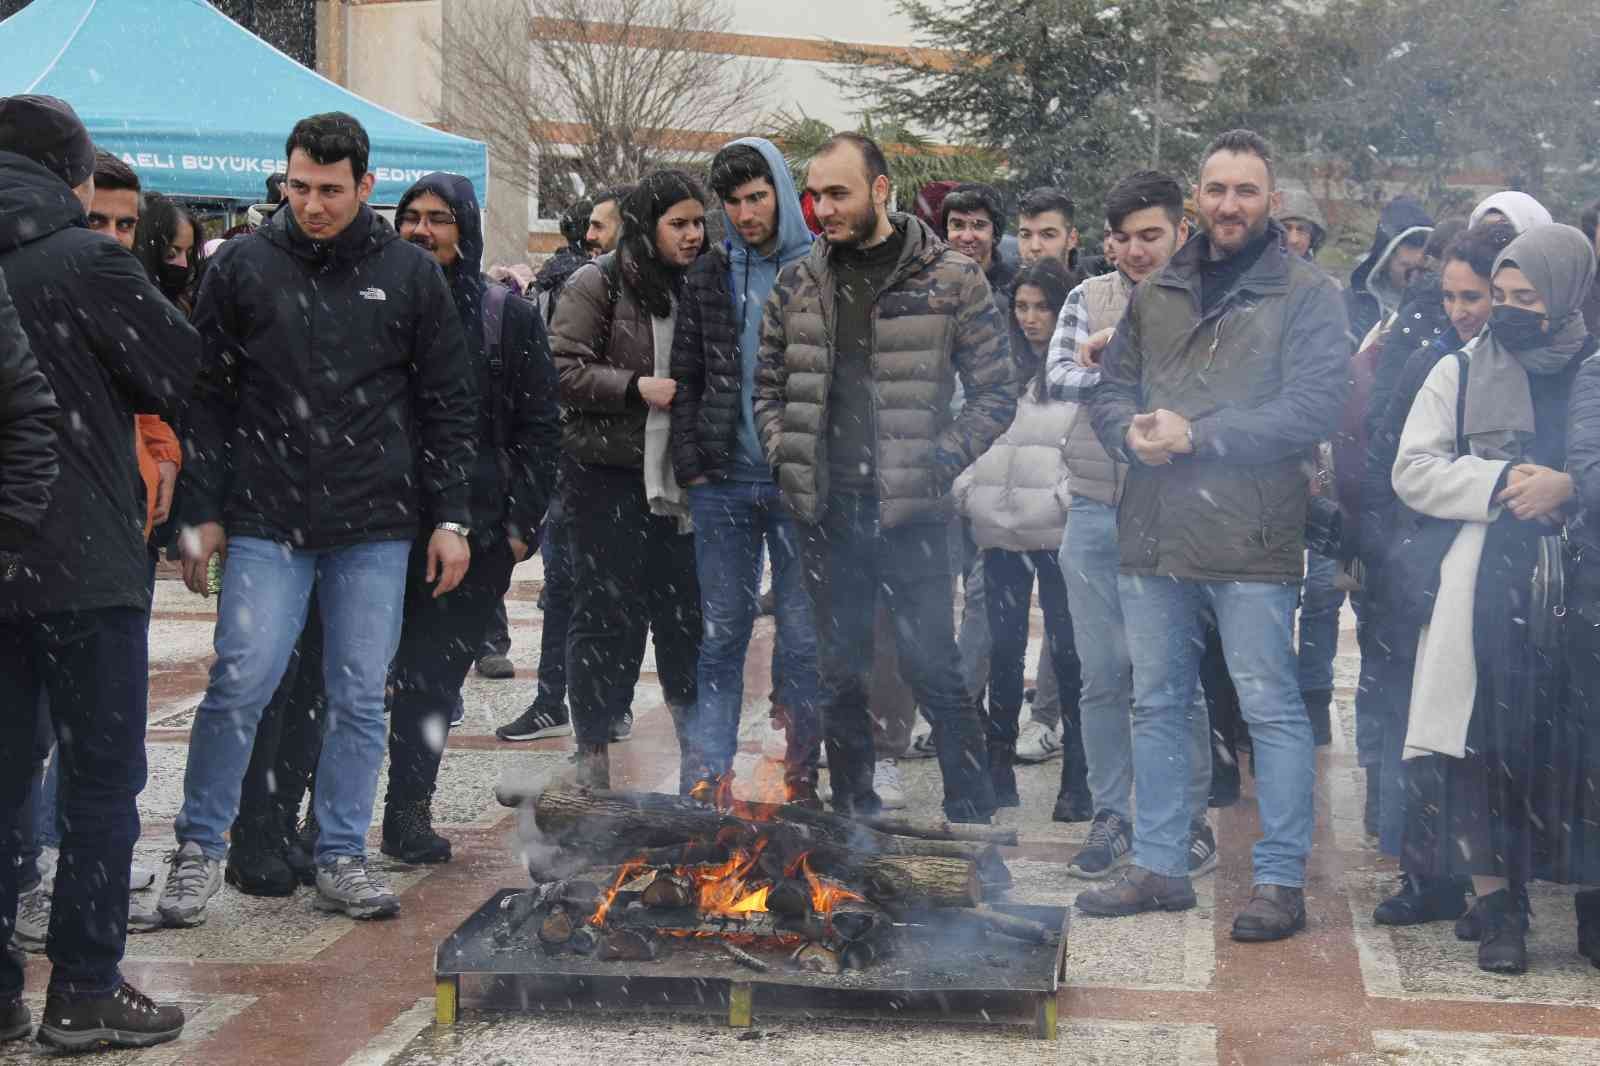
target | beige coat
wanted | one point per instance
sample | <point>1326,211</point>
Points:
<point>1015,495</point>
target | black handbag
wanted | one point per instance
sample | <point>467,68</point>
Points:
<point>1410,584</point>
<point>1547,607</point>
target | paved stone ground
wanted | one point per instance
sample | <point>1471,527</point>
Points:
<point>272,981</point>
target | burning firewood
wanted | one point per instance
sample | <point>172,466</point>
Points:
<point>557,928</point>
<point>628,945</point>
<point>669,892</point>
<point>814,958</point>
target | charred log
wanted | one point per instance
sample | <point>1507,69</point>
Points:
<point>669,891</point>
<point>628,945</point>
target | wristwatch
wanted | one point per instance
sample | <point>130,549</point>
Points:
<point>455,527</point>
<point>1190,432</point>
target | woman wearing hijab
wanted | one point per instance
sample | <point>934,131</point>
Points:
<point>1521,211</point>
<point>633,554</point>
<point>1483,701</point>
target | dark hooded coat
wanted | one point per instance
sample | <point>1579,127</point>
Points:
<point>28,411</point>
<point>1362,307</point>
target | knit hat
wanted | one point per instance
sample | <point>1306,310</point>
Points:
<point>46,130</point>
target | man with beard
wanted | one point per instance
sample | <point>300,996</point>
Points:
<point>974,217</point>
<point>861,345</point>
<point>517,438</point>
<point>1228,368</point>
<point>334,413</point>
<point>1044,227</point>
<point>605,221</point>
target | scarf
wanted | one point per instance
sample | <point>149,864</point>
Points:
<point>661,488</point>
<point>1560,263</point>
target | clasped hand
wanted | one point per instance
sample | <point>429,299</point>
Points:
<point>1157,436</point>
<point>1535,492</point>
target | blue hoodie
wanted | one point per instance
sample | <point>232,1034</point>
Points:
<point>751,277</point>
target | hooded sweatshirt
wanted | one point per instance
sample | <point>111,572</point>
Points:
<point>1520,209</point>
<point>751,276</point>
<point>1361,304</point>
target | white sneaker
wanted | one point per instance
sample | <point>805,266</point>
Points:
<point>346,886</point>
<point>192,879</point>
<point>922,745</point>
<point>1037,742</point>
<point>887,784</point>
<point>140,877</point>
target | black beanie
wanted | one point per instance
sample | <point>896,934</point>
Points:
<point>49,132</point>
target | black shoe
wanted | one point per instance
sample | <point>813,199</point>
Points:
<point>1588,907</point>
<point>1003,773</point>
<point>1109,846</point>
<point>1470,925</point>
<point>1137,891</point>
<point>258,871</point>
<point>1503,946</point>
<point>458,713</point>
<point>1275,912</point>
<point>536,723</point>
<point>301,863</point>
<point>496,667</point>
<point>1072,807</point>
<point>622,728</point>
<point>1369,814</point>
<point>1319,708</point>
<point>16,1020</point>
<point>1202,849</point>
<point>123,1018</point>
<point>1422,899</point>
<point>408,834</point>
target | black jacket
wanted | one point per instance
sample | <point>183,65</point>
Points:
<point>519,415</point>
<point>110,345</point>
<point>28,413</point>
<point>1398,215</point>
<point>1583,463</point>
<point>552,278</point>
<point>706,366</point>
<point>335,403</point>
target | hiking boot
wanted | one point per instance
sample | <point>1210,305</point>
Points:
<point>408,834</point>
<point>496,667</point>
<point>536,723</point>
<point>259,871</point>
<point>192,879</point>
<point>1275,912</point>
<point>1503,943</point>
<point>1003,774</point>
<point>1037,743</point>
<point>1136,891</point>
<point>1319,708</point>
<point>887,783</point>
<point>32,930</point>
<point>1422,899</point>
<point>125,1017</point>
<point>345,886</point>
<point>1072,807</point>
<point>622,728</point>
<point>16,1020</point>
<point>593,763</point>
<point>143,916</point>
<point>1202,848</point>
<point>1587,905</point>
<point>1109,846</point>
<point>923,745</point>
<point>1369,813</point>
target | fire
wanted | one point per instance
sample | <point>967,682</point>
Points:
<point>629,871</point>
<point>768,792</point>
<point>722,888</point>
<point>825,894</point>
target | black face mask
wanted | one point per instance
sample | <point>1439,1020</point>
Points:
<point>1517,328</point>
<point>173,279</point>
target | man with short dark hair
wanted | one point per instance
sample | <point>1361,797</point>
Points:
<point>1228,368</point>
<point>74,606</point>
<point>1044,227</point>
<point>861,345</point>
<point>732,495</point>
<point>1399,244</point>
<point>974,219</point>
<point>605,220</point>
<point>334,415</point>
<point>115,210</point>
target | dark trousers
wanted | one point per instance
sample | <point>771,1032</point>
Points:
<point>631,570</point>
<point>288,742</point>
<point>849,561</point>
<point>556,603</point>
<point>438,643</point>
<point>1228,728</point>
<point>497,633</point>
<point>94,666</point>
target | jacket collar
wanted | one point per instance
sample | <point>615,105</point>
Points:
<point>1268,276</point>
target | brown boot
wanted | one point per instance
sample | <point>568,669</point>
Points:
<point>593,762</point>
<point>1274,912</point>
<point>1136,891</point>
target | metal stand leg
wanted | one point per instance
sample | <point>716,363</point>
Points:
<point>447,1000</point>
<point>740,996</point>
<point>1044,1017</point>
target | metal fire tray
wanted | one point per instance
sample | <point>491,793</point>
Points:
<point>930,974</point>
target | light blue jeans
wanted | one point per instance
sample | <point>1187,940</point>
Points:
<point>265,591</point>
<point>1089,562</point>
<point>1166,637</point>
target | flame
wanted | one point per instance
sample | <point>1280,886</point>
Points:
<point>760,802</point>
<point>722,888</point>
<point>629,871</point>
<point>825,893</point>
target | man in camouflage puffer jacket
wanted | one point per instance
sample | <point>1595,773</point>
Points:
<point>861,345</point>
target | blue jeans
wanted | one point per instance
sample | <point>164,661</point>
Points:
<point>732,521</point>
<point>1166,622</point>
<point>1320,603</point>
<point>1089,562</point>
<point>265,591</point>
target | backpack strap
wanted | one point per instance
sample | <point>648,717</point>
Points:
<point>611,271</point>
<point>1462,363</point>
<point>494,324</point>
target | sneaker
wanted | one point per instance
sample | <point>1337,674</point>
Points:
<point>123,1018</point>
<point>16,1020</point>
<point>33,919</point>
<point>922,746</point>
<point>1202,849</point>
<point>887,784</point>
<point>192,879</point>
<point>622,728</point>
<point>496,667</point>
<point>458,713</point>
<point>345,886</point>
<point>1110,845</point>
<point>140,876</point>
<point>1137,891</point>
<point>143,916</point>
<point>536,723</point>
<point>1037,742</point>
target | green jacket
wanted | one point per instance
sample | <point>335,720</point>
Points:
<point>1262,378</point>
<point>932,321</point>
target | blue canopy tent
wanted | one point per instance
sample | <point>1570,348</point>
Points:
<point>207,116</point>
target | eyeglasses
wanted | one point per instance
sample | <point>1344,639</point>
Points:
<point>435,218</point>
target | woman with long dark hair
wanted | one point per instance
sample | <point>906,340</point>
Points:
<point>633,556</point>
<point>1015,497</point>
<point>1487,677</point>
<point>168,244</point>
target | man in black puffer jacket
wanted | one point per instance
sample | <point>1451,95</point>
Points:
<point>27,436</point>
<point>732,494</point>
<point>334,415</point>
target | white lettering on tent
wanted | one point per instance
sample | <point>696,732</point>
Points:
<point>398,174</point>
<point>148,160</point>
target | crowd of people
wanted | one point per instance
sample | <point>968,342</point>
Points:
<point>1196,444</point>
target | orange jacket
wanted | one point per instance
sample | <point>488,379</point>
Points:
<point>154,442</point>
